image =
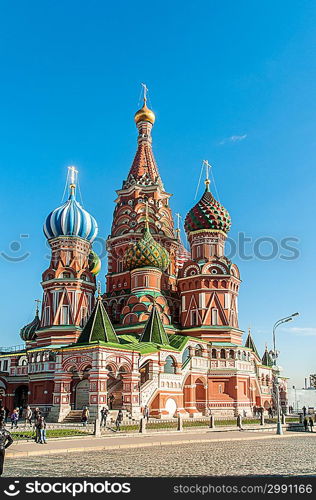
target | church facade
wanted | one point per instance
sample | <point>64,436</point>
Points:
<point>165,333</point>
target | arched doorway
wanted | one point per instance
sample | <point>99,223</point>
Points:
<point>21,396</point>
<point>171,407</point>
<point>115,388</point>
<point>200,395</point>
<point>82,394</point>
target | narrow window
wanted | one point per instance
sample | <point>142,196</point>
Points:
<point>202,301</point>
<point>183,303</point>
<point>214,316</point>
<point>227,301</point>
<point>193,318</point>
<point>65,315</point>
<point>47,315</point>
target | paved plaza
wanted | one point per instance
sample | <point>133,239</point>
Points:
<point>270,455</point>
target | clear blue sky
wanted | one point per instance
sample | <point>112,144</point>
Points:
<point>233,82</point>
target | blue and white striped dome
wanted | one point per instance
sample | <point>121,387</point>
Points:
<point>70,220</point>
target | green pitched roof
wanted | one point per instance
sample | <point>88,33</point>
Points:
<point>251,345</point>
<point>266,358</point>
<point>98,327</point>
<point>154,330</point>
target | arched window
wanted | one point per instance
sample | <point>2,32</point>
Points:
<point>214,353</point>
<point>185,355</point>
<point>169,366</point>
<point>244,357</point>
<point>144,372</point>
<point>198,351</point>
<point>223,354</point>
<point>231,354</point>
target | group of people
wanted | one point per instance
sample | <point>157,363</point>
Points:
<point>34,419</point>
<point>105,414</point>
<point>308,424</point>
<point>257,411</point>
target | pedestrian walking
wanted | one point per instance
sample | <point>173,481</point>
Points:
<point>311,424</point>
<point>239,422</point>
<point>85,416</point>
<point>2,412</point>
<point>5,441</point>
<point>14,418</point>
<point>37,413</point>
<point>41,425</point>
<point>146,413</point>
<point>104,415</point>
<point>28,415</point>
<point>119,420</point>
<point>306,424</point>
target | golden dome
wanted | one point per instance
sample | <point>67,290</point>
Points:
<point>144,114</point>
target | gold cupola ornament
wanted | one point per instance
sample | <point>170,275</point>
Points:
<point>144,114</point>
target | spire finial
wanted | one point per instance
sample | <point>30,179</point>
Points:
<point>37,302</point>
<point>73,179</point>
<point>178,225</point>
<point>207,178</point>
<point>99,290</point>
<point>145,90</point>
<point>146,216</point>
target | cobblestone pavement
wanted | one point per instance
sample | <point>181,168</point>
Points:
<point>285,456</point>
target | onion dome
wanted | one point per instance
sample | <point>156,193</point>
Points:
<point>208,213</point>
<point>27,333</point>
<point>144,114</point>
<point>146,253</point>
<point>94,263</point>
<point>71,220</point>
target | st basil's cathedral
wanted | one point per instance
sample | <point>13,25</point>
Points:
<point>165,334</point>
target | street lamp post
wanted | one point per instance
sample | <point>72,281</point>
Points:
<point>295,398</point>
<point>276,370</point>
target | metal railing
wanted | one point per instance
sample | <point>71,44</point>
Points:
<point>14,348</point>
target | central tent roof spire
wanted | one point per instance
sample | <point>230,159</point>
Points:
<point>144,165</point>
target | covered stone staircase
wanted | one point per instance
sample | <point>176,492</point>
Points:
<point>74,417</point>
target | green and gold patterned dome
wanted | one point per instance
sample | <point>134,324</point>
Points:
<point>146,253</point>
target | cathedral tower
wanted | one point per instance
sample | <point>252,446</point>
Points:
<point>69,282</point>
<point>209,282</point>
<point>142,192</point>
